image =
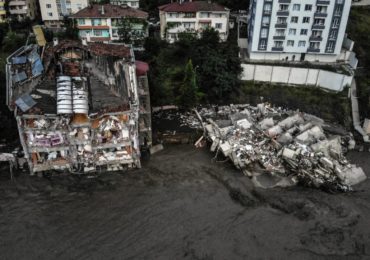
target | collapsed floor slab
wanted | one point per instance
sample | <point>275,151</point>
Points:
<point>278,147</point>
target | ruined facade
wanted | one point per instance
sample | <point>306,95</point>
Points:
<point>77,106</point>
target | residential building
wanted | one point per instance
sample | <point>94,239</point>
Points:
<point>2,11</point>
<point>54,11</point>
<point>22,9</point>
<point>101,22</point>
<point>78,106</point>
<point>130,3</point>
<point>297,30</point>
<point>193,17</point>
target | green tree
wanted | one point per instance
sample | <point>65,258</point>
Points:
<point>12,42</point>
<point>132,30</point>
<point>189,94</point>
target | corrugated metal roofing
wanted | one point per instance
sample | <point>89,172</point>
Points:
<point>19,60</point>
<point>19,77</point>
<point>25,102</point>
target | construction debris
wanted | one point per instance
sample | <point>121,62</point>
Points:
<point>280,148</point>
<point>79,108</point>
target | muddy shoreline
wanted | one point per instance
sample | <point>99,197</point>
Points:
<point>180,206</point>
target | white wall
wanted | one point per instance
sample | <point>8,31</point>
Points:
<point>295,76</point>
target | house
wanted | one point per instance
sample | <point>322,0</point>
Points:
<point>130,3</point>
<point>78,106</point>
<point>295,30</point>
<point>193,17</point>
<point>101,22</point>
<point>2,11</point>
<point>21,10</point>
<point>54,11</point>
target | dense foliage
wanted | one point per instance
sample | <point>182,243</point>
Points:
<point>359,31</point>
<point>216,67</point>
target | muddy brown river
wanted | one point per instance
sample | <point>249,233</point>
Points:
<point>180,206</point>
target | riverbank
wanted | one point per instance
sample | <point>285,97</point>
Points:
<point>180,206</point>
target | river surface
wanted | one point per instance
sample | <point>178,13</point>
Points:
<point>180,205</point>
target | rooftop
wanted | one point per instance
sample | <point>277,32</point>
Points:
<point>109,11</point>
<point>192,7</point>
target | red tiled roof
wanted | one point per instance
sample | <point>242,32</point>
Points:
<point>99,49</point>
<point>141,68</point>
<point>110,11</point>
<point>196,6</point>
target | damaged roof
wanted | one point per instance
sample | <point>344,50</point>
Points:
<point>110,11</point>
<point>99,49</point>
<point>196,6</point>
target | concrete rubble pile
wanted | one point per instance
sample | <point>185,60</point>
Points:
<point>280,148</point>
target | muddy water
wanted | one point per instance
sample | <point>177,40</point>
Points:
<point>179,206</point>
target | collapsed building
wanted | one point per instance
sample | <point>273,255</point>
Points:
<point>80,107</point>
<point>280,148</point>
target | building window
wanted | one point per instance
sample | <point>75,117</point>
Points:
<point>333,34</point>
<point>304,32</point>
<point>264,32</point>
<point>50,14</point>
<point>294,19</point>
<point>330,47</point>
<point>278,44</point>
<point>263,44</point>
<point>314,45</point>
<point>301,44</point>
<point>306,19</point>
<point>335,23</point>
<point>283,7</point>
<point>97,33</point>
<point>48,5</point>
<point>218,25</point>
<point>292,31</point>
<point>290,43</point>
<point>280,32</point>
<point>308,7</point>
<point>81,21</point>
<point>296,7</point>
<point>265,20</point>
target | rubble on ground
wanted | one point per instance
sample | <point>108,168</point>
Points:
<point>280,148</point>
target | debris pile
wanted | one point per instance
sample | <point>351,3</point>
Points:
<point>278,147</point>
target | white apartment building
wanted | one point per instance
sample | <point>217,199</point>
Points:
<point>297,30</point>
<point>21,9</point>
<point>53,11</point>
<point>130,3</point>
<point>100,23</point>
<point>193,17</point>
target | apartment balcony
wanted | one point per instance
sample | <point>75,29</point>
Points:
<point>18,11</point>
<point>285,1</point>
<point>266,12</point>
<point>281,25</point>
<point>19,3</point>
<point>320,15</point>
<point>315,50</point>
<point>277,49</point>
<point>279,37</point>
<point>316,38</point>
<point>265,25</point>
<point>319,2</point>
<point>318,26</point>
<point>282,13</point>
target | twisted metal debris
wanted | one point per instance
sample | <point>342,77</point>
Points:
<point>280,148</point>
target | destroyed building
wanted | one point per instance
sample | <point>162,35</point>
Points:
<point>280,148</point>
<point>80,107</point>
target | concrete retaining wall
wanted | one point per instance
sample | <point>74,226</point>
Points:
<point>296,76</point>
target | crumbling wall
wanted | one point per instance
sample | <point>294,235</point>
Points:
<point>107,142</point>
